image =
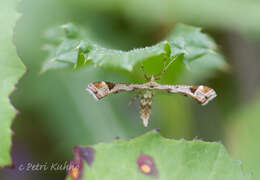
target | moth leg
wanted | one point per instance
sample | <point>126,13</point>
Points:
<point>136,97</point>
<point>145,75</point>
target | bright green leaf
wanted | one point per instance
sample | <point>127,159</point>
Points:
<point>173,159</point>
<point>11,69</point>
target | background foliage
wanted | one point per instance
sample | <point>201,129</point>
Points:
<point>56,113</point>
<point>11,69</point>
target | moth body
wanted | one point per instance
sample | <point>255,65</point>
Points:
<point>145,107</point>
<point>201,94</point>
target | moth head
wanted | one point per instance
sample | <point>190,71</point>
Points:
<point>100,89</point>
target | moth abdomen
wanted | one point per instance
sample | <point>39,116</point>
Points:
<point>145,107</point>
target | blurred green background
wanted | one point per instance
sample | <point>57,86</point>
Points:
<point>56,113</point>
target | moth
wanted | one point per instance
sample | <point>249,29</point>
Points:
<point>201,94</point>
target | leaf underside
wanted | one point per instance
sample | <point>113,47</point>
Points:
<point>74,48</point>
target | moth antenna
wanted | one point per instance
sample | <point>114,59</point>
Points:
<point>158,76</point>
<point>145,75</point>
<point>165,67</point>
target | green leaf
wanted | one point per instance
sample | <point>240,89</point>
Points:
<point>153,157</point>
<point>76,48</point>
<point>11,69</point>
